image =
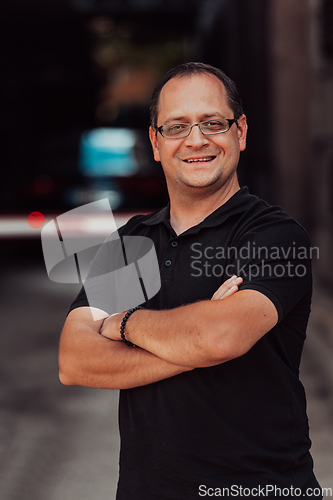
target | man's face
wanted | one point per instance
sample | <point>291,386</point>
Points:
<point>195,99</point>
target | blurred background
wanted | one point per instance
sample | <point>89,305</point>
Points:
<point>75,88</point>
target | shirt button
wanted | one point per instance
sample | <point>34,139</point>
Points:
<point>174,243</point>
<point>168,263</point>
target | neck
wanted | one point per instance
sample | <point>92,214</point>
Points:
<point>193,207</point>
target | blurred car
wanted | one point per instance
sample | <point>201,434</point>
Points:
<point>106,162</point>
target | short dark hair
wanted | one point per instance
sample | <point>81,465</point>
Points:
<point>189,69</point>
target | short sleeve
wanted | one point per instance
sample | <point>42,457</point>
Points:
<point>275,259</point>
<point>80,301</point>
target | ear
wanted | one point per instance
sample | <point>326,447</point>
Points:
<point>242,132</point>
<point>154,143</point>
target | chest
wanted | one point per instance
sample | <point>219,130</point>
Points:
<point>192,266</point>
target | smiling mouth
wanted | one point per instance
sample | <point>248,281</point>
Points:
<point>200,160</point>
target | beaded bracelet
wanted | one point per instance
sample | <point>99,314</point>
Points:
<point>123,323</point>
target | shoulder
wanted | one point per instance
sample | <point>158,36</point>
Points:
<point>132,223</point>
<point>264,221</point>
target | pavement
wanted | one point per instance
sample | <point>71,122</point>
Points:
<point>61,443</point>
<point>317,378</point>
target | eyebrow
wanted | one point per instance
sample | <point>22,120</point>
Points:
<point>179,119</point>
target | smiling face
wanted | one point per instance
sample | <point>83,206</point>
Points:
<point>204,162</point>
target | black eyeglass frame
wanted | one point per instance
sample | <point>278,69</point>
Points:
<point>230,121</point>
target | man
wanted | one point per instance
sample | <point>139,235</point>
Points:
<point>211,402</point>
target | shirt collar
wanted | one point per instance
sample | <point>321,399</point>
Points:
<point>238,203</point>
<point>158,217</point>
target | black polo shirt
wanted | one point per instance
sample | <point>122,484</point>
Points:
<point>243,423</point>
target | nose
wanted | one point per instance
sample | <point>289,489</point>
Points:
<point>196,138</point>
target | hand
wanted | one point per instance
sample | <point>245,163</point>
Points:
<point>111,326</point>
<point>228,288</point>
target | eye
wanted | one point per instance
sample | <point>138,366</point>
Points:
<point>176,127</point>
<point>214,123</point>
<point>215,126</point>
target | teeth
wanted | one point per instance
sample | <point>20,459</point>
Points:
<point>200,159</point>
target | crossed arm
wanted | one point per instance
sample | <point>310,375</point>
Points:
<point>170,342</point>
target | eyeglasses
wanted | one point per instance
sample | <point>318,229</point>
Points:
<point>209,127</point>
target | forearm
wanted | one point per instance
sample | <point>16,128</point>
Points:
<point>178,335</point>
<point>201,334</point>
<point>88,359</point>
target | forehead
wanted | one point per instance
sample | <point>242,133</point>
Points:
<point>192,97</point>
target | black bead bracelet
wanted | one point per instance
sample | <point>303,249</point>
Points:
<point>123,323</point>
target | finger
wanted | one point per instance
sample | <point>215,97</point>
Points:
<point>230,292</point>
<point>222,295</point>
<point>227,288</point>
<point>105,324</point>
